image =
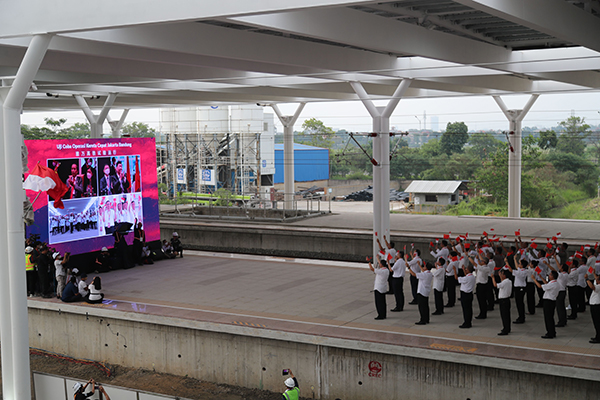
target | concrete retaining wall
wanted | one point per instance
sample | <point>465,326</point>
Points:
<point>327,368</point>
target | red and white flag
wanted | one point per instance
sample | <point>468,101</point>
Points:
<point>518,233</point>
<point>44,179</point>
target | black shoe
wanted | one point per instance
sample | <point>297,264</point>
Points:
<point>412,303</point>
<point>379,317</point>
<point>464,326</point>
<point>571,317</point>
<point>437,313</point>
<point>546,336</point>
<point>539,305</point>
<point>480,317</point>
<point>502,333</point>
<point>561,325</point>
<point>518,322</point>
<point>389,292</point>
<point>449,305</point>
<point>396,309</point>
<point>594,340</point>
<point>421,323</point>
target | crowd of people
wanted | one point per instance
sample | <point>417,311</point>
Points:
<point>73,222</point>
<point>52,274</point>
<point>114,210</point>
<point>494,273</point>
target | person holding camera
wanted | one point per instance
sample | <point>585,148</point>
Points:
<point>292,392</point>
<point>60,272</point>
<point>78,388</point>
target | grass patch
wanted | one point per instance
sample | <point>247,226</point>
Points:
<point>583,209</point>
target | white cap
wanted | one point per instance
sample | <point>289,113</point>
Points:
<point>175,234</point>
<point>104,249</point>
<point>55,255</point>
<point>76,387</point>
<point>28,249</point>
<point>289,382</point>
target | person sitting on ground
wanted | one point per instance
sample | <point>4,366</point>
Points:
<point>146,256</point>
<point>83,287</point>
<point>103,261</point>
<point>78,388</point>
<point>292,391</point>
<point>167,249</point>
<point>71,294</point>
<point>95,295</point>
<point>176,244</point>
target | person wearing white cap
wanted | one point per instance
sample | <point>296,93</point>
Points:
<point>103,261</point>
<point>292,391</point>
<point>176,244</point>
<point>78,389</point>
<point>61,272</point>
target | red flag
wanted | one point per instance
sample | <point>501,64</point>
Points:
<point>569,263</point>
<point>596,245</point>
<point>389,257</point>
<point>578,254</point>
<point>431,244</point>
<point>518,233</point>
<point>467,246</point>
<point>554,238</point>
<point>538,270</point>
<point>455,258</point>
<point>381,253</point>
<point>533,245</point>
<point>549,245</point>
<point>591,270</point>
<point>581,249</point>
<point>138,179</point>
<point>485,233</point>
<point>558,234</point>
<point>446,236</point>
<point>44,179</point>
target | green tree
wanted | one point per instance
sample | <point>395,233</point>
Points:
<point>547,140</point>
<point>54,130</point>
<point>409,163</point>
<point>575,132</point>
<point>138,129</point>
<point>455,138</point>
<point>317,133</point>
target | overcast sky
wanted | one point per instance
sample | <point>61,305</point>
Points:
<point>479,113</point>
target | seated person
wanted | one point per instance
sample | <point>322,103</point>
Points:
<point>177,246</point>
<point>146,256</point>
<point>83,287</point>
<point>70,293</point>
<point>167,249</point>
<point>103,261</point>
<point>95,295</point>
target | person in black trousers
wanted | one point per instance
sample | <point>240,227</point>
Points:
<point>425,278</point>
<point>415,265</point>
<point>397,274</point>
<point>530,288</point>
<point>595,306</point>
<point>551,290</point>
<point>520,285</point>
<point>504,291</point>
<point>467,284</point>
<point>572,288</point>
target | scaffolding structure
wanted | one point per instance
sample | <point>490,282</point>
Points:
<point>185,160</point>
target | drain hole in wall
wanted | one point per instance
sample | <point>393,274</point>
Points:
<point>360,382</point>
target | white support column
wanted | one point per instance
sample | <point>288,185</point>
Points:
<point>515,119</point>
<point>96,121</point>
<point>288,153</point>
<point>115,126</point>
<point>17,386</point>
<point>381,154</point>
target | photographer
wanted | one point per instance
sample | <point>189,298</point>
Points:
<point>61,272</point>
<point>292,391</point>
<point>78,389</point>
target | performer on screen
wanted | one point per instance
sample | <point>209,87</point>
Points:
<point>74,183</point>
<point>107,183</point>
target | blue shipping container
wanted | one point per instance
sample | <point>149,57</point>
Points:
<point>310,163</point>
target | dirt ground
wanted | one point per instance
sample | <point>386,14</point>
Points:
<point>148,381</point>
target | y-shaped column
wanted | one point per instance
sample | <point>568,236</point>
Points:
<point>13,311</point>
<point>381,154</point>
<point>96,121</point>
<point>115,126</point>
<point>288,122</point>
<point>515,118</point>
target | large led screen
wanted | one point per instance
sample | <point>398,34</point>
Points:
<point>111,184</point>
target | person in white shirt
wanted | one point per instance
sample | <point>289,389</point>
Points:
<point>591,263</point>
<point>60,272</point>
<point>415,266</point>
<point>381,276</point>
<point>398,272</point>
<point>425,278</point>
<point>480,265</point>
<point>94,288</point>
<point>467,284</point>
<point>439,275</point>
<point>530,288</point>
<point>83,287</point>
<point>520,283</point>
<point>572,287</point>
<point>563,277</point>
<point>551,290</point>
<point>452,266</point>
<point>504,291</point>
<point>595,306</point>
<point>581,284</point>
<point>389,253</point>
<point>441,251</point>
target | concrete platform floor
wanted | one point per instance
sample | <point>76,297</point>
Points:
<point>330,299</point>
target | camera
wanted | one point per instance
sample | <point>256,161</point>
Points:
<point>285,372</point>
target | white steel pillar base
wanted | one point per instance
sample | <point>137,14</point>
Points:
<point>515,119</point>
<point>381,154</point>
<point>16,383</point>
<point>288,122</point>
<point>115,126</point>
<point>96,121</point>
